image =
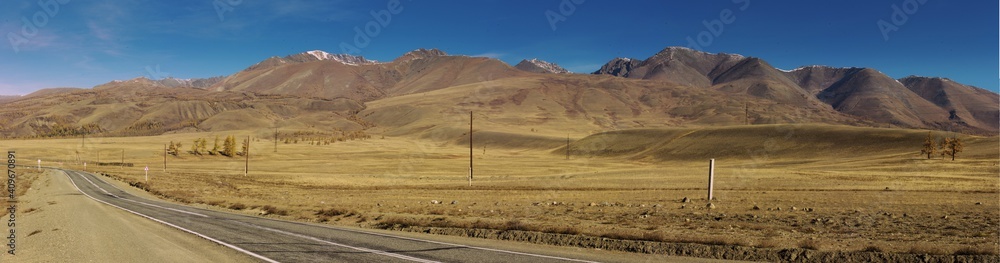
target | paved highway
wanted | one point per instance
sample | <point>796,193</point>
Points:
<point>272,240</point>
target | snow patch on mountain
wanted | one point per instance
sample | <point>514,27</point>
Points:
<point>541,66</point>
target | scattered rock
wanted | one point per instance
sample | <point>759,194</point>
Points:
<point>755,207</point>
<point>777,209</point>
<point>944,217</point>
<point>454,202</point>
<point>687,220</point>
<point>685,200</point>
<point>592,204</point>
<point>435,202</point>
<point>683,206</point>
<point>809,209</point>
<point>710,206</point>
<point>793,208</point>
<point>979,203</point>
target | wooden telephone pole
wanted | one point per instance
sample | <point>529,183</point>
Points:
<point>164,157</point>
<point>470,148</point>
<point>746,112</point>
<point>246,153</point>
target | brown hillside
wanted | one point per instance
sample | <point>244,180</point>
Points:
<point>134,108</point>
<point>966,105</point>
<point>766,143</point>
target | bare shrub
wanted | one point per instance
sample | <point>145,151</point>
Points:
<point>565,230</point>
<point>812,244</point>
<point>237,206</point>
<point>873,248</point>
<point>515,224</point>
<point>271,210</point>
<point>769,243</point>
<point>335,212</point>
<point>970,250</point>
<point>927,249</point>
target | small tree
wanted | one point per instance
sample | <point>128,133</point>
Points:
<point>194,147</point>
<point>202,144</point>
<point>952,147</point>
<point>930,146</point>
<point>229,146</point>
<point>215,147</point>
<point>172,148</point>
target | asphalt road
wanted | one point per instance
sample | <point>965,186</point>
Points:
<point>272,240</point>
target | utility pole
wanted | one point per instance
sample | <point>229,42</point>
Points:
<point>746,111</point>
<point>470,148</point>
<point>275,139</point>
<point>567,146</point>
<point>246,153</point>
<point>164,157</point>
<point>711,179</point>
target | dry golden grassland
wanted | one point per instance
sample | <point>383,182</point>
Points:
<point>833,196</point>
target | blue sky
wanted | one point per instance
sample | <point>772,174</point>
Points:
<point>85,43</point>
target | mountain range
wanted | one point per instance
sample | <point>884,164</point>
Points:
<point>428,93</point>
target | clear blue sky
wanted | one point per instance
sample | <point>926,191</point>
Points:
<point>86,43</point>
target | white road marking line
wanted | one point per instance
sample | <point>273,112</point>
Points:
<point>384,235</point>
<point>98,187</point>
<point>167,208</point>
<point>464,246</point>
<point>172,225</point>
<point>384,253</point>
<point>147,204</point>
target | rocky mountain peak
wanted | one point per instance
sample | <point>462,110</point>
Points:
<point>540,66</point>
<point>421,54</point>
<point>620,67</point>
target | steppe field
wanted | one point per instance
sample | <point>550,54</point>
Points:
<point>815,187</point>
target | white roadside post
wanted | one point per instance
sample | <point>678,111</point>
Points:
<point>711,178</point>
<point>39,165</point>
<point>147,174</point>
<point>84,166</point>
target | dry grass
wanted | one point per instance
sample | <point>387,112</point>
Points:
<point>812,244</point>
<point>390,182</point>
<point>930,249</point>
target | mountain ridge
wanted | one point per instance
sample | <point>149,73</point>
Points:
<point>315,91</point>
